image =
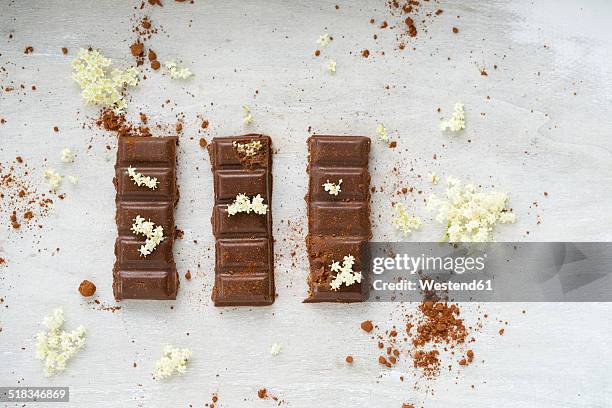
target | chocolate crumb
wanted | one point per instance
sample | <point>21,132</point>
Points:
<point>367,326</point>
<point>188,275</point>
<point>365,53</point>
<point>203,143</point>
<point>455,30</point>
<point>137,49</point>
<point>87,288</point>
<point>349,359</point>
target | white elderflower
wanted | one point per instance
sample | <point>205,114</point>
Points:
<point>154,235</point>
<point>469,214</point>
<point>141,180</point>
<point>248,118</point>
<point>101,85</point>
<point>174,361</point>
<point>382,133</point>
<point>456,122</point>
<point>53,178</point>
<point>403,221</point>
<point>248,149</point>
<point>331,188</point>
<point>177,71</point>
<point>67,155</point>
<point>344,273</point>
<point>258,206</point>
<point>331,66</point>
<point>56,346</point>
<point>433,177</point>
<point>242,203</point>
<point>74,179</point>
<point>324,40</point>
<point>275,349</point>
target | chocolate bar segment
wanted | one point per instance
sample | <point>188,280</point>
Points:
<point>338,225</point>
<point>153,276</point>
<point>244,249</point>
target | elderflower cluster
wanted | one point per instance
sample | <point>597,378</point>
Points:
<point>331,188</point>
<point>141,180</point>
<point>243,204</point>
<point>344,273</point>
<point>403,221</point>
<point>456,122</point>
<point>469,214</point>
<point>177,71</point>
<point>56,346</point>
<point>67,155</point>
<point>174,361</point>
<point>155,235</point>
<point>101,85</point>
<point>324,40</point>
<point>248,149</point>
<point>275,349</point>
<point>383,136</point>
<point>248,118</point>
<point>331,66</point>
<point>53,178</point>
<point>433,177</point>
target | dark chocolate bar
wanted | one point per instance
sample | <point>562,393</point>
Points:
<point>338,225</point>
<point>244,249</point>
<point>153,276</point>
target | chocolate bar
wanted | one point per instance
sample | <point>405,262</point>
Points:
<point>244,252</point>
<point>338,221</point>
<point>154,275</point>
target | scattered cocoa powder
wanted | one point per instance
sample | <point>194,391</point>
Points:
<point>188,275</point>
<point>262,393</point>
<point>365,53</point>
<point>349,359</point>
<point>455,30</point>
<point>87,288</point>
<point>64,50</point>
<point>28,50</point>
<point>204,124</point>
<point>203,143</point>
<point>407,14</point>
<point>109,120</point>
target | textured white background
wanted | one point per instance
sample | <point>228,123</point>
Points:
<point>532,135</point>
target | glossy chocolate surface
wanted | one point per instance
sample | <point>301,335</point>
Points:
<point>338,225</point>
<point>154,276</point>
<point>244,248</point>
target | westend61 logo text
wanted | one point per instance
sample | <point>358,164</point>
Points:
<point>412,264</point>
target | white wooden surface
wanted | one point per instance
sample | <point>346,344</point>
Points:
<point>555,355</point>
